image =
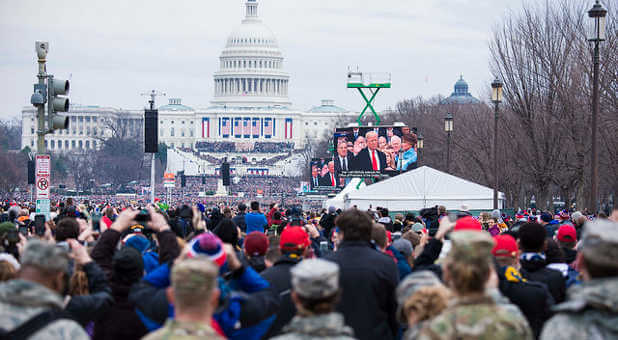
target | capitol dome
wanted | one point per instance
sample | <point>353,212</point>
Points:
<point>251,66</point>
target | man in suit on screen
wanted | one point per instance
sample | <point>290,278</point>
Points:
<point>370,158</point>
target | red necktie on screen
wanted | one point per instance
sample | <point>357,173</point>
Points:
<point>332,180</point>
<point>374,162</point>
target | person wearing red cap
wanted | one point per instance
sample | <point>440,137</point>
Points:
<point>468,223</point>
<point>293,243</point>
<point>532,298</point>
<point>567,239</point>
<point>254,248</point>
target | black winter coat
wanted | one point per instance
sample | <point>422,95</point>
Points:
<point>121,321</point>
<point>280,280</point>
<point>532,298</point>
<point>536,271</point>
<point>368,279</point>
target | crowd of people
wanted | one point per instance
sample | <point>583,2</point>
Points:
<point>133,270</point>
<point>259,147</point>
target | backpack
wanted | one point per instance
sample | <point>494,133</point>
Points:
<point>35,324</point>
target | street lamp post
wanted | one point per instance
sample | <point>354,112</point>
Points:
<point>597,34</point>
<point>448,127</point>
<point>419,145</point>
<point>496,98</point>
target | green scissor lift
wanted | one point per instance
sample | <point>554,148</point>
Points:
<point>373,81</point>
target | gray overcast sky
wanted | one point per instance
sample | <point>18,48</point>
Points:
<point>117,49</point>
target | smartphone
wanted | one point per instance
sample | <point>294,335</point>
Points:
<point>23,229</point>
<point>323,246</point>
<point>39,224</point>
<point>96,222</point>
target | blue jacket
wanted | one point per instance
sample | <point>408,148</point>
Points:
<point>245,314</point>
<point>409,157</point>
<point>255,222</point>
<point>402,263</point>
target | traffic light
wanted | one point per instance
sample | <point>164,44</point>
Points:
<point>57,88</point>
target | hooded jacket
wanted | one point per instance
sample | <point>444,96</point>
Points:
<point>280,279</point>
<point>591,312</point>
<point>535,269</point>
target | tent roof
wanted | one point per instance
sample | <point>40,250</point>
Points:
<point>337,201</point>
<point>424,183</point>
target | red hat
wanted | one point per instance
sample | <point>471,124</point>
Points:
<point>506,246</point>
<point>567,233</point>
<point>256,244</point>
<point>467,223</point>
<point>294,238</point>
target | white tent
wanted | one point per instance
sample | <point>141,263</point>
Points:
<point>337,201</point>
<point>422,188</point>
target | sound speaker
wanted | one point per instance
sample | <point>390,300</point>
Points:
<point>225,174</point>
<point>183,179</point>
<point>31,167</point>
<point>151,134</point>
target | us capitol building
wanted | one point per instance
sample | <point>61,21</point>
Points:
<point>250,120</point>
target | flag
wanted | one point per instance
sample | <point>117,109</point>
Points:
<point>237,128</point>
<point>225,127</point>
<point>268,128</point>
<point>288,128</point>
<point>255,127</point>
<point>246,131</point>
<point>205,128</point>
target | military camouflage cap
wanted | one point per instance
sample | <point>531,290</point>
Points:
<point>470,245</point>
<point>600,242</point>
<point>45,256</point>
<point>410,285</point>
<point>315,278</point>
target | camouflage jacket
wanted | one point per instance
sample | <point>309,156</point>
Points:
<point>180,330</point>
<point>476,318</point>
<point>326,326</point>
<point>590,312</point>
<point>21,300</point>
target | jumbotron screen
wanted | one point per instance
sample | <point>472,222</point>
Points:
<point>323,177</point>
<point>373,151</point>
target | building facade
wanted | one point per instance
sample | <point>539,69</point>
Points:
<point>250,104</point>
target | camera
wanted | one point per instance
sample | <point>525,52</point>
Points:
<point>42,47</point>
<point>142,216</point>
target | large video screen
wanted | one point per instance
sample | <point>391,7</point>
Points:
<point>323,176</point>
<point>373,151</point>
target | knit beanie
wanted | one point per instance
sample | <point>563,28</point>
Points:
<point>127,266</point>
